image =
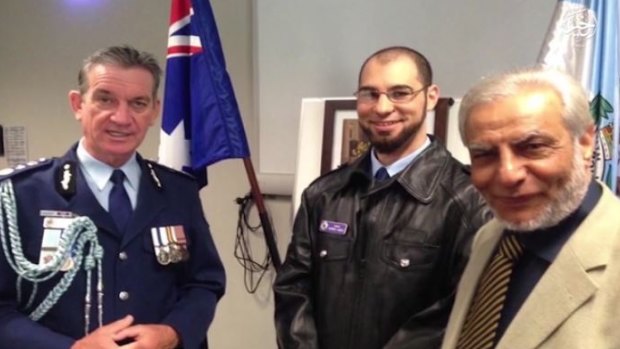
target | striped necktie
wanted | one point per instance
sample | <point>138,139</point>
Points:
<point>480,327</point>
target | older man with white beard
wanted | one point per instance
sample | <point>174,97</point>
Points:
<point>543,273</point>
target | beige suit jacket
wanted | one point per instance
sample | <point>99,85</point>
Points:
<point>576,303</point>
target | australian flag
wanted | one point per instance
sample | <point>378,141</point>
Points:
<point>201,123</point>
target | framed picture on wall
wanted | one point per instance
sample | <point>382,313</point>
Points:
<point>344,141</point>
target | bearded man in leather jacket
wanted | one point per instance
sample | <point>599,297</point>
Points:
<point>374,262</point>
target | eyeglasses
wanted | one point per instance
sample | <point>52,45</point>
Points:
<point>400,94</point>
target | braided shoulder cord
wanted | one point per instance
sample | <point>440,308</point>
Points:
<point>81,234</point>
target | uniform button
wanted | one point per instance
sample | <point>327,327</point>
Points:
<point>122,256</point>
<point>123,295</point>
<point>323,253</point>
<point>404,263</point>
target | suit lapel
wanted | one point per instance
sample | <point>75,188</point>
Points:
<point>150,203</point>
<point>85,204</point>
<point>484,245</point>
<point>564,288</point>
<point>83,201</point>
<point>566,285</point>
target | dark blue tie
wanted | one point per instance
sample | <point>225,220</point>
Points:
<point>382,174</point>
<point>119,204</point>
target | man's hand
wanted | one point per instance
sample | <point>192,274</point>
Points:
<point>149,337</point>
<point>104,336</point>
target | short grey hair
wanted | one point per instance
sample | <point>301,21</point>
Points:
<point>576,110</point>
<point>123,56</point>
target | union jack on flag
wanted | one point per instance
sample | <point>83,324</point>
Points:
<point>201,123</point>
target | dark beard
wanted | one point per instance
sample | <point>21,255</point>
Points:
<point>386,145</point>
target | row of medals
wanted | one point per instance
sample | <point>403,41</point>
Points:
<point>172,253</point>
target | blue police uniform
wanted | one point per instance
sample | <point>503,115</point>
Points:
<point>182,295</point>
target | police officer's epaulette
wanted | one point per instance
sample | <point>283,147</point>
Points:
<point>154,167</point>
<point>21,169</point>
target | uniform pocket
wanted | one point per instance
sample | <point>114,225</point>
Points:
<point>408,256</point>
<point>331,248</point>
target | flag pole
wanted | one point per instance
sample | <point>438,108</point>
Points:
<point>265,222</point>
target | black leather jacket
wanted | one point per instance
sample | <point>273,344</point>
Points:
<point>389,279</point>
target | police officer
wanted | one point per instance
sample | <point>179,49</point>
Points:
<point>148,275</point>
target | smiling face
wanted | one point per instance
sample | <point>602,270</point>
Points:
<point>530,169</point>
<point>115,111</point>
<point>394,129</point>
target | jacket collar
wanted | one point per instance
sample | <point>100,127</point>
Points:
<point>150,199</point>
<point>419,178</point>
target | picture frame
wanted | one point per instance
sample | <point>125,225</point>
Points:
<point>344,141</point>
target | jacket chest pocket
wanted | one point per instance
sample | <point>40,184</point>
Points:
<point>408,256</point>
<point>333,248</point>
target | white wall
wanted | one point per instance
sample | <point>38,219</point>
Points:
<point>315,48</point>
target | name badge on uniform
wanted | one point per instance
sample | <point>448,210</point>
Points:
<point>54,225</point>
<point>331,227</point>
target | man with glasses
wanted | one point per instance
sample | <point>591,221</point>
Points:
<point>379,244</point>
